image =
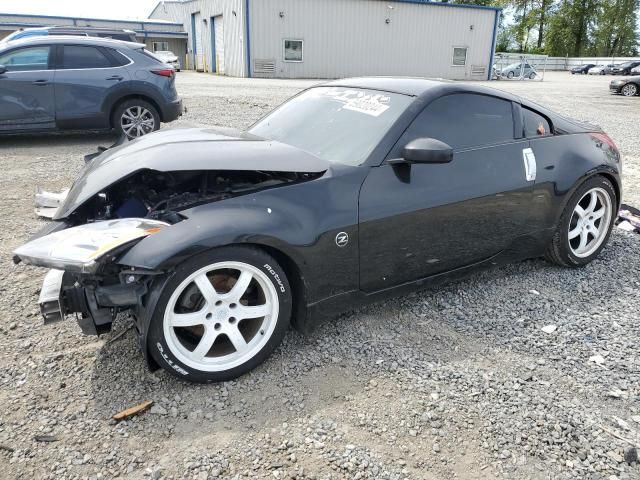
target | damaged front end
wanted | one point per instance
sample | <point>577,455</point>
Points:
<point>133,191</point>
<point>85,279</point>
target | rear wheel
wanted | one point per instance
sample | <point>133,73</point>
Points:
<point>585,225</point>
<point>510,75</point>
<point>135,117</point>
<point>221,315</point>
<point>629,90</point>
<point>532,75</point>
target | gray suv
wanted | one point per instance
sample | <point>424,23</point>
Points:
<point>53,83</point>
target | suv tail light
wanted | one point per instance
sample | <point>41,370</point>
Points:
<point>164,72</point>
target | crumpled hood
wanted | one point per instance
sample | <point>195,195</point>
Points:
<point>184,150</point>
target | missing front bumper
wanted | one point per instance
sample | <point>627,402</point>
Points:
<point>93,306</point>
<point>49,300</point>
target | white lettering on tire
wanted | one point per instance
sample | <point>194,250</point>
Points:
<point>177,368</point>
<point>275,276</point>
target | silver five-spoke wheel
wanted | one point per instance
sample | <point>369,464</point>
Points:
<point>136,121</point>
<point>220,316</point>
<point>589,222</point>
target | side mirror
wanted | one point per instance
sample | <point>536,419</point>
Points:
<point>427,150</point>
<point>3,69</point>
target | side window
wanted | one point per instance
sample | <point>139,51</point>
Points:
<point>80,56</point>
<point>535,125</point>
<point>117,58</point>
<point>465,120</point>
<point>26,59</point>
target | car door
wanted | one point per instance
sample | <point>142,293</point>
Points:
<point>423,219</point>
<point>85,76</point>
<point>26,89</point>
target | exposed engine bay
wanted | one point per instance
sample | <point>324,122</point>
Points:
<point>161,195</point>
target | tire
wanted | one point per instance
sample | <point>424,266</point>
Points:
<point>532,76</point>
<point>134,118</point>
<point>567,252</point>
<point>629,90</point>
<point>510,75</point>
<point>602,72</point>
<point>211,341</point>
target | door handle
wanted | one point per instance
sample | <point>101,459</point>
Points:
<point>115,77</point>
<point>41,82</point>
<point>530,166</point>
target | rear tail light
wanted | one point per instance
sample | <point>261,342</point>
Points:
<point>606,139</point>
<point>165,72</point>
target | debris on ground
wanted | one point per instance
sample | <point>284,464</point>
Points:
<point>130,412</point>
<point>549,328</point>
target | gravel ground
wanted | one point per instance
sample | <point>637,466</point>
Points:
<point>459,382</point>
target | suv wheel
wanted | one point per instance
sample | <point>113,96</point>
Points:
<point>135,118</point>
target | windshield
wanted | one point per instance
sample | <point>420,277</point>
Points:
<point>336,124</point>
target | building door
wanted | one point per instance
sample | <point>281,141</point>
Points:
<point>218,35</point>
<point>196,44</point>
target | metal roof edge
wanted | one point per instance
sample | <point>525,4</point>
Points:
<point>451,5</point>
<point>148,20</point>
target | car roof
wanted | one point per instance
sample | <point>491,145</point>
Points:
<point>56,39</point>
<point>418,87</point>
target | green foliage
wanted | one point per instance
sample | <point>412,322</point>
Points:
<point>568,27</point>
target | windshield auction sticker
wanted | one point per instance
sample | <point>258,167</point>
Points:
<point>373,104</point>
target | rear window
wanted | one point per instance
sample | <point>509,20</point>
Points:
<point>80,56</point>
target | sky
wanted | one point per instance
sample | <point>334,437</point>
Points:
<point>116,9</point>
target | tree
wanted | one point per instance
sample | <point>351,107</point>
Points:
<point>615,30</point>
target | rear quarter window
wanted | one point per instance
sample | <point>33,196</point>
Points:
<point>535,125</point>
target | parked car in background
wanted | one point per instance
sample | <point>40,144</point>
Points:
<point>601,69</point>
<point>582,69</point>
<point>116,34</point>
<point>169,58</point>
<point>518,70</point>
<point>624,68</point>
<point>628,87</point>
<point>216,240</point>
<point>64,82</point>
<point>635,70</point>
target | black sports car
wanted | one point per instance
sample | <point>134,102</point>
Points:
<point>628,87</point>
<point>350,192</point>
<point>624,68</point>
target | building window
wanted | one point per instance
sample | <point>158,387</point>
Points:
<point>459,56</point>
<point>293,50</point>
<point>160,46</point>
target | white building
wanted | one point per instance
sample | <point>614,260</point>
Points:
<point>156,34</point>
<point>336,38</point>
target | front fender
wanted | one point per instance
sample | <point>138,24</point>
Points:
<point>213,226</point>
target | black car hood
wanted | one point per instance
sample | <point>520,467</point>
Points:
<point>184,150</point>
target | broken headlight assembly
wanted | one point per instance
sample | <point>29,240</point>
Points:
<point>79,249</point>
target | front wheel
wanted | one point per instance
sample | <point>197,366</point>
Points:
<point>510,75</point>
<point>585,224</point>
<point>532,76</point>
<point>135,118</point>
<point>629,90</point>
<point>220,315</point>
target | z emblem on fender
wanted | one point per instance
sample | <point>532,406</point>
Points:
<point>342,239</point>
